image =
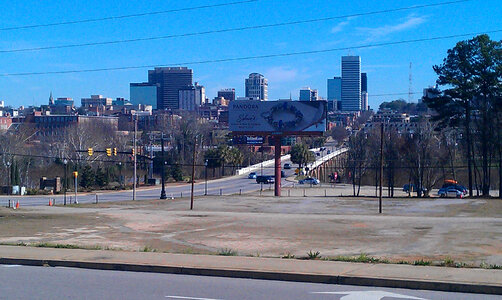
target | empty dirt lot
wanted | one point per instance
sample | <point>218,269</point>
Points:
<point>467,230</point>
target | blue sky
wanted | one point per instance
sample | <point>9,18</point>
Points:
<point>387,66</point>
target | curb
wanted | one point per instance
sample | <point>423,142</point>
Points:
<point>252,274</point>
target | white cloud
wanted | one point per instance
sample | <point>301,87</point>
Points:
<point>339,27</point>
<point>382,31</point>
<point>281,74</point>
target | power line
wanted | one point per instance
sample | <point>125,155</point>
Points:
<point>126,16</point>
<point>394,94</point>
<point>230,29</point>
<point>251,57</point>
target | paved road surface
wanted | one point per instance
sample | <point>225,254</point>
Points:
<point>23,282</point>
<point>225,186</point>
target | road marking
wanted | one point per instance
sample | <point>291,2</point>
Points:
<point>368,295</point>
<point>190,298</point>
<point>11,266</point>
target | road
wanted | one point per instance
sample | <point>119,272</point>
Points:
<point>24,282</point>
<point>224,186</point>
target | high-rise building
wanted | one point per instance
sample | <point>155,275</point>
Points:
<point>334,92</point>
<point>144,93</point>
<point>191,97</point>
<point>364,82</point>
<point>170,80</point>
<point>364,101</point>
<point>228,94</point>
<point>308,94</point>
<point>351,83</point>
<point>364,92</point>
<point>257,87</point>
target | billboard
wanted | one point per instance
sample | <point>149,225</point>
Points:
<point>277,117</point>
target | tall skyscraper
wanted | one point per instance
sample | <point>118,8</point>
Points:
<point>170,81</point>
<point>228,94</point>
<point>308,94</point>
<point>351,83</point>
<point>334,92</point>
<point>257,87</point>
<point>144,93</point>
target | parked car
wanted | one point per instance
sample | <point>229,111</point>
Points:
<point>453,183</point>
<point>287,166</point>
<point>252,175</point>
<point>309,180</point>
<point>458,187</point>
<point>265,179</point>
<point>450,192</point>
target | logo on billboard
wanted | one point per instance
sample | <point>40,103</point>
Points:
<point>283,116</point>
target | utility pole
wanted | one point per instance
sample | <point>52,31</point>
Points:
<point>205,186</point>
<point>381,169</point>
<point>277,188</point>
<point>193,171</point>
<point>134,157</point>
<point>410,87</point>
<point>163,191</point>
<point>75,174</point>
<point>8,178</point>
<point>65,161</point>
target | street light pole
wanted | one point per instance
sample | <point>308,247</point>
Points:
<point>65,162</point>
<point>163,191</point>
<point>205,187</point>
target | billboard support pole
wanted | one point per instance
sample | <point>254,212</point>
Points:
<point>277,142</point>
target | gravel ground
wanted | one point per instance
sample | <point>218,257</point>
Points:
<point>467,230</point>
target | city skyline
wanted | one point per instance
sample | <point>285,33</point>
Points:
<point>387,66</point>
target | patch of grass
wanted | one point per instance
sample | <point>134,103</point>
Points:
<point>187,251</point>
<point>362,258</point>
<point>62,246</point>
<point>422,262</point>
<point>313,255</point>
<point>447,262</point>
<point>227,252</point>
<point>288,256</point>
<point>148,249</point>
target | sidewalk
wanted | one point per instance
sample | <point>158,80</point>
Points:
<point>382,275</point>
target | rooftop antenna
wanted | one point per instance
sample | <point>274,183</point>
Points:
<point>410,87</point>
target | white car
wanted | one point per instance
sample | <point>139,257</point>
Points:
<point>450,192</point>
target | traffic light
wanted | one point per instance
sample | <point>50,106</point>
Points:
<point>133,151</point>
<point>90,151</point>
<point>108,151</point>
<point>115,151</point>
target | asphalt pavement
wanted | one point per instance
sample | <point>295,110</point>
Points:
<point>225,186</point>
<point>27,282</point>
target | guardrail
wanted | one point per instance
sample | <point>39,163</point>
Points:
<point>327,157</point>
<point>266,164</point>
